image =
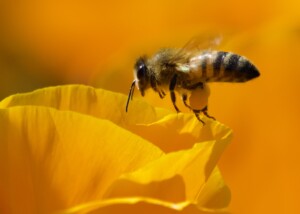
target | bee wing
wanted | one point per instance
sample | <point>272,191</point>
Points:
<point>197,45</point>
<point>202,42</point>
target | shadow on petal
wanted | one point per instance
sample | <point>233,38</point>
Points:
<point>180,131</point>
<point>171,189</point>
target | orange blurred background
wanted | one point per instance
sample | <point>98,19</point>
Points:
<point>52,42</point>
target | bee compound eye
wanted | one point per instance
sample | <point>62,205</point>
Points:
<point>141,71</point>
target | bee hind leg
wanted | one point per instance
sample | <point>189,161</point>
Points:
<point>184,99</point>
<point>197,114</point>
<point>172,92</point>
<point>204,110</point>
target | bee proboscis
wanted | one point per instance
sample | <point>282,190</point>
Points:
<point>188,69</point>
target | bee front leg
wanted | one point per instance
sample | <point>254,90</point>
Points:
<point>162,94</point>
<point>172,92</point>
<point>153,84</point>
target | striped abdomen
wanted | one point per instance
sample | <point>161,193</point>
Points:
<point>219,66</point>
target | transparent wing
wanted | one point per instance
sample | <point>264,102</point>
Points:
<point>197,45</point>
<point>202,42</point>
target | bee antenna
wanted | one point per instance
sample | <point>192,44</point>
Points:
<point>130,95</point>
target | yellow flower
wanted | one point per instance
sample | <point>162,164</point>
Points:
<point>74,149</point>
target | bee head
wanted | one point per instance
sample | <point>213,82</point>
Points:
<point>141,79</point>
<point>141,75</point>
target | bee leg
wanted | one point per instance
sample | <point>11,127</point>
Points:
<point>204,110</point>
<point>153,84</point>
<point>184,99</point>
<point>161,94</point>
<point>172,92</point>
<point>197,113</point>
<point>195,86</point>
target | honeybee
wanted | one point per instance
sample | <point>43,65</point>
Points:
<point>188,69</point>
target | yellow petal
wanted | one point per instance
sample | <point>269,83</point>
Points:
<point>215,194</point>
<point>174,132</point>
<point>177,175</point>
<point>138,205</point>
<point>192,149</point>
<point>179,131</point>
<point>88,100</point>
<point>52,160</point>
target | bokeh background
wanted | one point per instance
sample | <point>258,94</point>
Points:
<point>53,42</point>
